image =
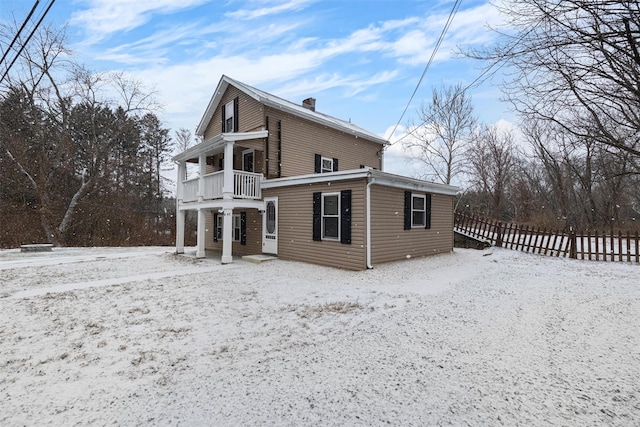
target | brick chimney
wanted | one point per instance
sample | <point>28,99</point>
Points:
<point>310,104</point>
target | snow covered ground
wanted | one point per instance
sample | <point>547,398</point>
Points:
<point>143,337</point>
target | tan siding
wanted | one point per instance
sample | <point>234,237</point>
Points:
<point>295,220</point>
<point>254,235</point>
<point>250,113</point>
<point>389,240</point>
<point>302,139</point>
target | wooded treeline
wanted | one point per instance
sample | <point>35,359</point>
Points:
<point>572,73</point>
<point>81,154</point>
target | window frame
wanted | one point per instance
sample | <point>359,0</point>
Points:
<point>322,168</point>
<point>324,216</point>
<point>229,118</point>
<point>236,228</point>
<point>422,197</point>
<point>253,159</point>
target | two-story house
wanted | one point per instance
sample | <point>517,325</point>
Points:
<point>281,178</point>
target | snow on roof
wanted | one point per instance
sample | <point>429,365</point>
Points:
<point>277,102</point>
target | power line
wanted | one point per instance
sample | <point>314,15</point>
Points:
<point>24,24</point>
<point>453,12</point>
<point>498,60</point>
<point>27,41</point>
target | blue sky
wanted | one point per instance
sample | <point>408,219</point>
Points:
<point>361,59</point>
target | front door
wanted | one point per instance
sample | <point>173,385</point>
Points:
<point>270,226</point>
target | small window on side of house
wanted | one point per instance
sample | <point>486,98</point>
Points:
<point>331,216</point>
<point>418,210</point>
<point>228,117</point>
<point>327,165</point>
<point>248,157</point>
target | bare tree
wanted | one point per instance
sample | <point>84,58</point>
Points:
<point>442,132</point>
<point>183,139</point>
<point>575,63</point>
<point>492,164</point>
<point>60,135</point>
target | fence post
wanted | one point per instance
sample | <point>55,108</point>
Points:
<point>573,250</point>
<point>499,234</point>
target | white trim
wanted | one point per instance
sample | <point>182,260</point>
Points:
<point>216,144</point>
<point>424,210</point>
<point>381,178</point>
<point>253,161</point>
<point>322,168</point>
<point>323,216</point>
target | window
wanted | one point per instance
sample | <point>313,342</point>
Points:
<point>331,216</point>
<point>229,117</point>
<point>327,165</point>
<point>418,210</point>
<point>247,160</point>
<point>236,228</point>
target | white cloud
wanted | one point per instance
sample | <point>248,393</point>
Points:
<point>104,17</point>
<point>288,6</point>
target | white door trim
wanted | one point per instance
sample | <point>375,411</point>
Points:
<point>270,226</point>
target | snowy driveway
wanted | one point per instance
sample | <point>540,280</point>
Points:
<point>472,338</point>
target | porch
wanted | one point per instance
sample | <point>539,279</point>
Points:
<point>246,185</point>
<point>223,190</point>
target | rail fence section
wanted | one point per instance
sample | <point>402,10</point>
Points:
<point>574,244</point>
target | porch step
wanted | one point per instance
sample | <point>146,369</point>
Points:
<point>258,259</point>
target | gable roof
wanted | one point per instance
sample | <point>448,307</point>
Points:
<point>282,104</point>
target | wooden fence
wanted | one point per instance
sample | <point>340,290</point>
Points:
<point>574,244</point>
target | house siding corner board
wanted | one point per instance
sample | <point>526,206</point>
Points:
<point>253,244</point>
<point>389,240</point>
<point>295,225</point>
<point>301,139</point>
<point>250,112</point>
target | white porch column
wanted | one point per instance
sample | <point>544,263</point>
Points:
<point>202,163</point>
<point>180,215</point>
<point>227,237</point>
<point>227,185</point>
<point>200,253</point>
<point>182,172</point>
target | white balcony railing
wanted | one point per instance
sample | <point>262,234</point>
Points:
<point>213,185</point>
<point>190,190</point>
<point>246,185</point>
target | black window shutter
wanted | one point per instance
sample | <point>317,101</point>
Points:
<point>345,217</point>
<point>224,118</point>
<point>221,164</point>
<point>407,210</point>
<point>428,212</point>
<point>243,228</point>
<point>335,165</point>
<point>236,103</point>
<point>317,216</point>
<point>318,163</point>
<point>215,227</point>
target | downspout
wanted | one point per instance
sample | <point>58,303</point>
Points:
<point>370,181</point>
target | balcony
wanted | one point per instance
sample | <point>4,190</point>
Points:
<point>246,185</point>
